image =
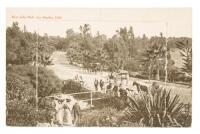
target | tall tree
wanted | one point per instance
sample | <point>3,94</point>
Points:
<point>154,56</point>
<point>186,53</point>
<point>18,47</point>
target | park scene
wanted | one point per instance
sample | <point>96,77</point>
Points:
<point>88,78</point>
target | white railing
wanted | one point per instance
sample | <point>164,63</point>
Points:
<point>91,99</point>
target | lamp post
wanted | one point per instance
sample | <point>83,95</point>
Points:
<point>166,55</point>
<point>36,83</point>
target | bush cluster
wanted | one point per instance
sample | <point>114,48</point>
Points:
<point>20,94</point>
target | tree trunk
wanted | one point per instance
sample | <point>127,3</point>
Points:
<point>149,69</point>
<point>158,74</point>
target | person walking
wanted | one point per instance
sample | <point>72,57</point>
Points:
<point>96,83</point>
<point>115,91</point>
<point>77,78</point>
<point>59,113</point>
<point>101,84</point>
<point>76,111</point>
<point>67,117</point>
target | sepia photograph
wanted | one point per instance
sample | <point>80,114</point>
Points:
<point>99,67</point>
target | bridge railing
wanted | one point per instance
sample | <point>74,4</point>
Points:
<point>91,98</point>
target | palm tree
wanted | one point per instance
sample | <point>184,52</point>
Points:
<point>186,53</point>
<point>125,44</point>
<point>154,55</point>
<point>84,29</point>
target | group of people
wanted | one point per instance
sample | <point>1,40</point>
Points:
<point>98,84</point>
<point>119,89</point>
<point>64,112</point>
<point>78,78</point>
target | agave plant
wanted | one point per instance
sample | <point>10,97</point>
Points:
<point>157,110</point>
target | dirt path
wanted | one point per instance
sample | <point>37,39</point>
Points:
<point>66,71</point>
<point>184,91</point>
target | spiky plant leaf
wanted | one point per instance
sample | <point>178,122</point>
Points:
<point>159,110</point>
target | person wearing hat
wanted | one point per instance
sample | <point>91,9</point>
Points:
<point>67,118</point>
<point>101,84</point>
<point>96,83</point>
<point>76,110</point>
<point>59,113</point>
<point>115,91</point>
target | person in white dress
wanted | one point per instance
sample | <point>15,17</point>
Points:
<point>59,112</point>
<point>67,117</point>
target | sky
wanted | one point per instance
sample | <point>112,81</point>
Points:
<point>172,22</point>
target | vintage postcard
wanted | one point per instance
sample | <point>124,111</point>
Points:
<point>99,67</point>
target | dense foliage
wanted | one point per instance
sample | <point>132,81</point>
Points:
<point>48,83</point>
<point>123,50</point>
<point>186,53</point>
<point>22,47</point>
<point>71,86</point>
<point>20,93</point>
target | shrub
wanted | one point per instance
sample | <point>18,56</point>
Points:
<point>20,94</point>
<point>18,88</point>
<point>20,113</point>
<point>71,86</point>
<point>158,110</point>
<point>105,117</point>
<point>185,120</point>
<point>48,83</point>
